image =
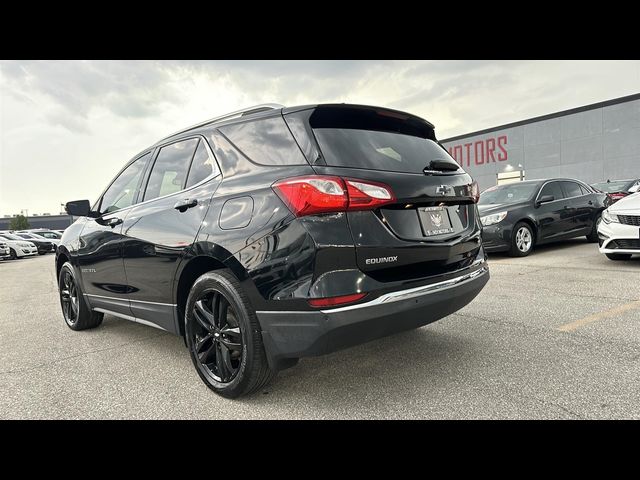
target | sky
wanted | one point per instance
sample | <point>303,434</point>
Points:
<point>67,127</point>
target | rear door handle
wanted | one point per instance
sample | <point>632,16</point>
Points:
<point>185,204</point>
<point>112,222</point>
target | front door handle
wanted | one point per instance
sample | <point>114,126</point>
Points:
<point>185,204</point>
<point>112,222</point>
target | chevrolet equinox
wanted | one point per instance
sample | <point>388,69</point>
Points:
<point>275,233</point>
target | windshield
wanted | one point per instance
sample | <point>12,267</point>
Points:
<point>47,234</point>
<point>612,187</point>
<point>512,193</point>
<point>9,236</point>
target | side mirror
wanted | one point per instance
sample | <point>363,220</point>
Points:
<point>78,208</point>
<point>545,199</point>
<point>634,189</point>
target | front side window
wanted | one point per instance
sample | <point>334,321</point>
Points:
<point>170,169</point>
<point>122,192</point>
<point>553,189</point>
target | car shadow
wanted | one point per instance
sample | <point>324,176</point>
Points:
<point>386,371</point>
<point>547,247</point>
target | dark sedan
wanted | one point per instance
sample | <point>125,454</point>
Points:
<point>517,216</point>
<point>617,189</point>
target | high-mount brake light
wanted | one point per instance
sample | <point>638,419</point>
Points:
<point>313,194</point>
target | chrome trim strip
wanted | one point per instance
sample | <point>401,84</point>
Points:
<point>115,314</point>
<point>130,300</point>
<point>144,322</point>
<point>130,318</point>
<point>413,292</point>
<point>402,294</point>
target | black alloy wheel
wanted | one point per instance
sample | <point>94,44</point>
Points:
<point>13,254</point>
<point>69,298</point>
<point>75,310</point>
<point>223,336</point>
<point>216,337</point>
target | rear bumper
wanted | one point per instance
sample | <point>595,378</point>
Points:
<point>291,335</point>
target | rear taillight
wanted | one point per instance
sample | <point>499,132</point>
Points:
<point>333,301</point>
<point>474,191</point>
<point>616,196</point>
<point>315,194</point>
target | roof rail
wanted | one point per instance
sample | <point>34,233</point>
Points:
<point>227,116</point>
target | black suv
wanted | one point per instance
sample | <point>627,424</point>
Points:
<point>276,233</point>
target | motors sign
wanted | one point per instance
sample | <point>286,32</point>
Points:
<point>480,152</point>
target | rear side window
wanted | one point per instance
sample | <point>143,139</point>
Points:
<point>266,142</point>
<point>552,188</point>
<point>378,150</point>
<point>202,165</point>
<point>170,169</point>
<point>571,189</point>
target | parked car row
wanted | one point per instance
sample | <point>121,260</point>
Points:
<point>518,216</point>
<point>26,243</point>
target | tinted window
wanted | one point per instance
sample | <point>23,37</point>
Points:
<point>511,193</point>
<point>571,189</point>
<point>170,169</point>
<point>376,150</point>
<point>202,166</point>
<point>267,142</point>
<point>552,188</point>
<point>122,191</point>
<point>584,189</point>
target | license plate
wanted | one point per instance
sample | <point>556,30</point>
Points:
<point>435,221</point>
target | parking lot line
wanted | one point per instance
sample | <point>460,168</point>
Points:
<point>569,327</point>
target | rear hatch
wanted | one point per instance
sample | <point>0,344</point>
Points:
<point>431,227</point>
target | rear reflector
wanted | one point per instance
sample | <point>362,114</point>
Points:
<point>474,191</point>
<point>333,301</point>
<point>313,194</point>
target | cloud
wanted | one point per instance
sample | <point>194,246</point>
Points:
<point>89,117</point>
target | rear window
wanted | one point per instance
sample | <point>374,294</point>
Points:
<point>380,150</point>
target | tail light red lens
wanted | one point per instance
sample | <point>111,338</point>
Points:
<point>333,301</point>
<point>315,194</point>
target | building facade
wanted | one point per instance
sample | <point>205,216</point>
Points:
<point>591,143</point>
<point>52,222</point>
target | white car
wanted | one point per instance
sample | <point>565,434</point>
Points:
<point>18,247</point>
<point>4,249</point>
<point>43,236</point>
<point>619,230</point>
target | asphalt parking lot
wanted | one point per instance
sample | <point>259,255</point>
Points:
<point>555,335</point>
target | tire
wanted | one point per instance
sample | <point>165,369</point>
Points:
<point>618,256</point>
<point>77,314</point>
<point>593,236</point>
<point>13,254</point>
<point>226,348</point>
<point>521,240</point>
